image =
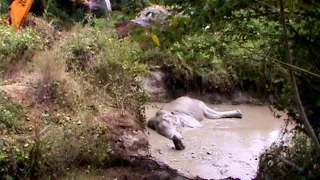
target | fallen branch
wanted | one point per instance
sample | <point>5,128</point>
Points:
<point>287,162</point>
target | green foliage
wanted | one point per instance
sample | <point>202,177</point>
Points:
<point>95,52</point>
<point>252,34</point>
<point>14,156</point>
<point>63,14</point>
<point>12,122</point>
<point>81,48</point>
<point>132,7</point>
<point>256,23</point>
<point>17,46</point>
<point>300,152</point>
<point>71,144</point>
<point>10,114</point>
<point>118,70</point>
<point>87,144</point>
<point>4,7</point>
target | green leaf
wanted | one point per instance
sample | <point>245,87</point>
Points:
<point>156,39</point>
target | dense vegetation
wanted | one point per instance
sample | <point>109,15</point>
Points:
<point>254,31</point>
<point>206,46</point>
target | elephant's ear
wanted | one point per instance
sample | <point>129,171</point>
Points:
<point>189,121</point>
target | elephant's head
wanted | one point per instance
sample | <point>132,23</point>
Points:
<point>165,122</point>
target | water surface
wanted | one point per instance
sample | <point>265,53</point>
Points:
<point>223,147</point>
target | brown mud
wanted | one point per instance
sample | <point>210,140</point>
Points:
<point>223,147</point>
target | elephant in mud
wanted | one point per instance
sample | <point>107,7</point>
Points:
<point>184,112</point>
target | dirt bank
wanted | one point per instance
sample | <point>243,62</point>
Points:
<point>130,156</point>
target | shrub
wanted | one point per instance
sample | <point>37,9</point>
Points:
<point>83,45</point>
<point>13,153</point>
<point>303,158</point>
<point>81,49</point>
<point>17,47</point>
<point>107,62</point>
<point>208,62</point>
<point>10,114</point>
<point>117,72</point>
<point>74,143</point>
<point>133,7</point>
<point>4,7</point>
<point>55,149</point>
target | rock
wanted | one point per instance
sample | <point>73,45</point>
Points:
<point>154,84</point>
<point>159,151</point>
<point>209,153</point>
<point>132,144</point>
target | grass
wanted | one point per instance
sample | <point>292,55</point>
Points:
<point>75,79</point>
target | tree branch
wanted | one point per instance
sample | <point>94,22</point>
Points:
<point>287,162</point>
<point>302,113</point>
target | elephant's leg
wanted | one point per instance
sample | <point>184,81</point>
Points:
<point>212,114</point>
<point>189,121</point>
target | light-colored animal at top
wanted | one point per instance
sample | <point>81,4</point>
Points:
<point>184,112</point>
<point>104,5</point>
<point>152,15</point>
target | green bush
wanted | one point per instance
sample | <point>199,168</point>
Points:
<point>13,153</point>
<point>4,7</point>
<point>77,142</point>
<point>82,46</point>
<point>10,114</point>
<point>14,158</point>
<point>133,7</point>
<point>17,46</point>
<point>208,62</point>
<point>303,158</point>
<point>118,70</point>
<point>71,144</point>
<point>96,52</point>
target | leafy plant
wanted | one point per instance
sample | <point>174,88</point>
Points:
<point>10,114</point>
<point>17,46</point>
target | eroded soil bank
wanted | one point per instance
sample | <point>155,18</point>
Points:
<point>223,147</point>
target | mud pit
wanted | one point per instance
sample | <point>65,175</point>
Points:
<point>223,147</point>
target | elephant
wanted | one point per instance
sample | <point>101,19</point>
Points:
<point>184,112</point>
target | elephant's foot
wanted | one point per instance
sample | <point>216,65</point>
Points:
<point>178,143</point>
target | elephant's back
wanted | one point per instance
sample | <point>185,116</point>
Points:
<point>185,105</point>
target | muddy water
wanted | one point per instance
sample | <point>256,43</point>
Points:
<point>223,147</point>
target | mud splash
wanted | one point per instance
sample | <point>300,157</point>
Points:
<point>223,147</point>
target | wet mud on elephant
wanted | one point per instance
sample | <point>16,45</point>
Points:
<point>184,112</point>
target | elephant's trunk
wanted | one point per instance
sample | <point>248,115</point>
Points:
<point>178,143</point>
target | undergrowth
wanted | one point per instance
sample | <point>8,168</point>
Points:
<point>87,70</point>
<point>295,160</point>
<point>17,48</point>
<point>202,64</point>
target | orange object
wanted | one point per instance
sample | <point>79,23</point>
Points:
<point>19,10</point>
